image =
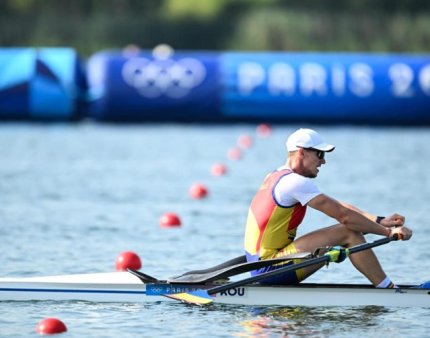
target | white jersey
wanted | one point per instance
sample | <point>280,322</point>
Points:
<point>294,188</point>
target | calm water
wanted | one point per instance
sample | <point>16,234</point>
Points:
<point>72,197</point>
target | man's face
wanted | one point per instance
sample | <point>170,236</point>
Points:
<point>312,160</point>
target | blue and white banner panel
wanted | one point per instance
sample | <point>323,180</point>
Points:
<point>326,87</point>
<point>154,86</point>
<point>40,83</point>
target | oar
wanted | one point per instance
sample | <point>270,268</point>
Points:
<point>201,276</point>
<point>201,297</point>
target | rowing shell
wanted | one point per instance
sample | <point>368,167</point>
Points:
<point>125,287</point>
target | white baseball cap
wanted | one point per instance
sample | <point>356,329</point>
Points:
<point>307,138</point>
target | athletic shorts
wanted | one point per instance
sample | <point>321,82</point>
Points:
<point>288,278</point>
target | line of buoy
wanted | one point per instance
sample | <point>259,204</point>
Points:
<point>199,190</point>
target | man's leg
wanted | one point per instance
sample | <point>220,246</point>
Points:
<point>364,261</point>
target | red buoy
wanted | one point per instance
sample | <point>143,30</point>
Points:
<point>198,190</point>
<point>127,260</point>
<point>218,169</point>
<point>234,154</point>
<point>264,130</point>
<point>169,219</point>
<point>244,141</point>
<point>50,326</point>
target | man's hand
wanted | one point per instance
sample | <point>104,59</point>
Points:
<point>403,232</point>
<point>395,220</point>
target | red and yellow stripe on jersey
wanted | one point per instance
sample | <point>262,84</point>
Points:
<point>270,227</point>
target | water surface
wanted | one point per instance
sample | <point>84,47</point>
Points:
<point>72,197</point>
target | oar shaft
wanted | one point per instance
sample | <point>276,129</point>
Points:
<point>313,261</point>
<point>365,246</point>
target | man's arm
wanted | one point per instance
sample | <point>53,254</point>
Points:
<point>394,220</point>
<point>354,218</point>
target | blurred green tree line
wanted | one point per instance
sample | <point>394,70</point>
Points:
<point>306,25</point>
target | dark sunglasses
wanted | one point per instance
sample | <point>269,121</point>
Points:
<point>320,153</point>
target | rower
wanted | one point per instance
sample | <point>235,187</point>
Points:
<point>279,206</point>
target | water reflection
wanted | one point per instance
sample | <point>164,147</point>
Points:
<point>310,322</point>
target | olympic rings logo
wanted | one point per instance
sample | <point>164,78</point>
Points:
<point>156,290</point>
<point>155,78</point>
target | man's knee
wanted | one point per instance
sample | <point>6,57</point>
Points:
<point>355,237</point>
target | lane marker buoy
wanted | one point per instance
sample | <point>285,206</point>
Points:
<point>244,141</point>
<point>198,191</point>
<point>169,220</point>
<point>128,260</point>
<point>50,326</point>
<point>234,154</point>
<point>264,130</point>
<point>218,169</point>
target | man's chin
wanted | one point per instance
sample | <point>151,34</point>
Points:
<point>311,175</point>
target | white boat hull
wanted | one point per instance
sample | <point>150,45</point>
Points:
<point>125,287</point>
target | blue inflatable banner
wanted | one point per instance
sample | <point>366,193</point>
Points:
<point>157,86</point>
<point>326,87</point>
<point>40,83</point>
<point>164,85</point>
